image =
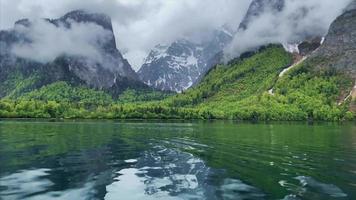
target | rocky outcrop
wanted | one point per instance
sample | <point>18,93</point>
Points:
<point>308,46</point>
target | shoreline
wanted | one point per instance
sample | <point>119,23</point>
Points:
<point>81,120</point>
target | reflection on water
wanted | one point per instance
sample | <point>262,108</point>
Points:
<point>176,161</point>
<point>26,182</point>
<point>159,173</point>
<point>163,173</point>
<point>33,184</point>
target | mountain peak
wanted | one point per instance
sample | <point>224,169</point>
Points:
<point>24,22</point>
<point>81,16</point>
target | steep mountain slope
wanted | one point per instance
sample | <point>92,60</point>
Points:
<point>178,66</point>
<point>305,41</point>
<point>338,53</point>
<point>320,87</point>
<point>239,90</point>
<point>23,72</point>
<point>339,48</point>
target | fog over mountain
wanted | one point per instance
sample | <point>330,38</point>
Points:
<point>296,21</point>
<point>139,25</point>
<point>44,35</point>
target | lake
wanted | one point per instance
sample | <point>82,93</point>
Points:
<point>77,160</point>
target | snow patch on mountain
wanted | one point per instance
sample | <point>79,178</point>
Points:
<point>178,66</point>
<point>291,47</point>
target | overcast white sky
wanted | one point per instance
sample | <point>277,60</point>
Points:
<point>139,25</point>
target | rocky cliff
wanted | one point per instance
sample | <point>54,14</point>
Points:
<point>339,49</point>
<point>108,70</point>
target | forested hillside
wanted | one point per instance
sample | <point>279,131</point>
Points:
<point>238,90</point>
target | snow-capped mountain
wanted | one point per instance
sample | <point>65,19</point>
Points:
<point>176,67</point>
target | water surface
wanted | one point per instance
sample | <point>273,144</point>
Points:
<point>195,160</point>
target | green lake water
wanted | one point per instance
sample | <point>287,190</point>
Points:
<point>175,160</point>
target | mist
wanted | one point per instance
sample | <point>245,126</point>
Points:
<point>139,25</point>
<point>47,41</point>
<point>299,20</point>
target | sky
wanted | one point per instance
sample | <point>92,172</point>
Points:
<point>139,25</point>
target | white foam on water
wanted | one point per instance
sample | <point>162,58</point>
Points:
<point>131,161</point>
<point>328,189</point>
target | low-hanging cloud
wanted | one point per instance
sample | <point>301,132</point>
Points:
<point>298,20</point>
<point>139,25</point>
<point>48,41</point>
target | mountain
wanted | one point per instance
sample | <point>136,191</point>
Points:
<point>317,82</point>
<point>23,72</point>
<point>337,54</point>
<point>178,66</point>
<point>304,42</point>
<point>259,7</point>
<point>270,85</point>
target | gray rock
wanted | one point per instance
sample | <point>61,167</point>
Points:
<point>308,46</point>
<point>339,49</point>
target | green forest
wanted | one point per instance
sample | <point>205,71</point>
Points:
<point>237,90</point>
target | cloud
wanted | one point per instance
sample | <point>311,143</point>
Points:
<point>139,25</point>
<point>49,41</point>
<point>166,21</point>
<point>298,20</point>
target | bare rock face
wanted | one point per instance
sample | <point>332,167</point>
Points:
<point>308,46</point>
<point>98,74</point>
<point>107,73</point>
<point>339,49</point>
